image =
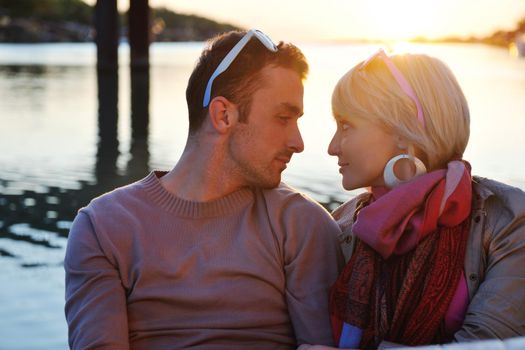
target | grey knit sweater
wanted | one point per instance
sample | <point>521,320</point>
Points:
<point>148,270</point>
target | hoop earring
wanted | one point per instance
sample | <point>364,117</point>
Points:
<point>391,180</point>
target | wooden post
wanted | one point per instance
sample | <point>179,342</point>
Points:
<point>107,35</point>
<point>139,103</point>
<point>107,146</point>
<point>138,32</point>
<point>106,27</point>
<point>139,36</point>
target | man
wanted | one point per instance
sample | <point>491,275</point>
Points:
<point>217,253</point>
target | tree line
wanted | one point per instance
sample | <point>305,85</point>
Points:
<point>72,21</point>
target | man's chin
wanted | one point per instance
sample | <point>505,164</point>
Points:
<point>268,184</point>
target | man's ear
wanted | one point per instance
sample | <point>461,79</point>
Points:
<point>223,114</point>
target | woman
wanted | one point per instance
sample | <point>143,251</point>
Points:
<point>433,254</point>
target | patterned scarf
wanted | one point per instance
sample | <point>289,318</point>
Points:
<point>407,261</point>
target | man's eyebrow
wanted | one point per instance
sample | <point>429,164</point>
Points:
<point>293,109</point>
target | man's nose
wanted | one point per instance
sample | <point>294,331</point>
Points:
<point>296,141</point>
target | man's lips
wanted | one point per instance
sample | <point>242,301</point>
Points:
<point>284,157</point>
<point>285,160</point>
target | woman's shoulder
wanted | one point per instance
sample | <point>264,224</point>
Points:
<point>494,283</point>
<point>344,214</point>
<point>498,197</point>
<point>503,209</point>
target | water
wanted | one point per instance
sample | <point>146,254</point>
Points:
<point>51,162</point>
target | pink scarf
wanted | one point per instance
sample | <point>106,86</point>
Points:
<point>400,218</point>
<point>404,298</point>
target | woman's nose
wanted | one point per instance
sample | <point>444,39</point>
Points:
<point>333,147</point>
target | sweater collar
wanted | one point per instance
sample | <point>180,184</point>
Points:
<point>182,207</point>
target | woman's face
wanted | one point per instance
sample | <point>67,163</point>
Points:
<point>362,149</point>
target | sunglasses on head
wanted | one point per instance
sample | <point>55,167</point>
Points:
<point>234,52</point>
<point>400,79</point>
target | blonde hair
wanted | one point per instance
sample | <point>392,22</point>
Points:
<point>373,93</point>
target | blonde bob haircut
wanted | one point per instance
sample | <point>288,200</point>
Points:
<point>371,92</point>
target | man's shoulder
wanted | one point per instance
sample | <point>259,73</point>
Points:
<point>114,213</point>
<point>117,195</point>
<point>120,197</point>
<point>297,218</point>
<point>286,196</point>
<point>291,209</point>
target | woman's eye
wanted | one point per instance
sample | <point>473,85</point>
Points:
<point>344,126</point>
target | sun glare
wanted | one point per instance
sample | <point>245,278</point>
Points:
<point>401,47</point>
<point>401,19</point>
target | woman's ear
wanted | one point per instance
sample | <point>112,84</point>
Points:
<point>411,149</point>
<point>402,143</point>
<point>223,114</point>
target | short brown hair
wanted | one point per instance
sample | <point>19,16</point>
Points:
<point>242,78</point>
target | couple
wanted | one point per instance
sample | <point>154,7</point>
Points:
<point>219,254</point>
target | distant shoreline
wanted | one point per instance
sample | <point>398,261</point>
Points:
<point>24,31</point>
<point>312,41</point>
<point>53,22</point>
<point>72,21</point>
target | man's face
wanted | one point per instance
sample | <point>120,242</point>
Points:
<point>261,147</point>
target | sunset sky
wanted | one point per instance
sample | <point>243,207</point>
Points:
<point>354,19</point>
